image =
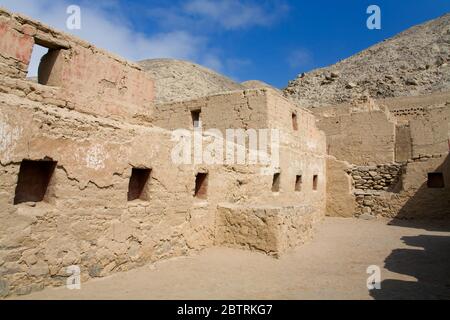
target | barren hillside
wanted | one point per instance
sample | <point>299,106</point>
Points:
<point>413,62</point>
<point>177,80</point>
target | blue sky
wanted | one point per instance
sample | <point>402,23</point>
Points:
<point>268,40</point>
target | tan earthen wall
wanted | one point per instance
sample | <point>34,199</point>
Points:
<point>93,80</point>
<point>340,198</point>
<point>363,138</point>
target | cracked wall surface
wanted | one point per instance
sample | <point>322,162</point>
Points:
<point>96,119</point>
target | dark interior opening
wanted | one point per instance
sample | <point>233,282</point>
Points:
<point>435,180</point>
<point>138,183</point>
<point>315,181</point>
<point>276,182</point>
<point>294,121</point>
<point>45,55</point>
<point>34,178</point>
<point>298,183</point>
<point>201,185</point>
<point>195,114</point>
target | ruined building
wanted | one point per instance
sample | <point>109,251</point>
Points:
<point>88,179</point>
<point>390,157</point>
<point>88,176</point>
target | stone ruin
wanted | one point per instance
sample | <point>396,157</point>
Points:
<point>87,175</point>
<point>388,157</point>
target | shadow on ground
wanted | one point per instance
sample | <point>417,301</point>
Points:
<point>429,264</point>
<point>429,260</point>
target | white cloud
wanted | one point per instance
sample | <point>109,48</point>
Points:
<point>107,31</point>
<point>233,14</point>
<point>213,62</point>
<point>300,58</point>
<point>208,15</point>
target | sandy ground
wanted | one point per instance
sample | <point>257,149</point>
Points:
<point>414,258</point>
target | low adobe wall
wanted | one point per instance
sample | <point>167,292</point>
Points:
<point>269,229</point>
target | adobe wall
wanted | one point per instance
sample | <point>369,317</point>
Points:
<point>86,219</point>
<point>341,201</point>
<point>383,141</point>
<point>240,109</point>
<point>413,197</point>
<point>363,136</point>
<point>91,79</point>
<point>395,190</point>
<point>430,134</point>
<point>405,107</point>
<point>98,126</point>
<point>423,124</point>
<point>270,229</point>
<point>302,151</point>
<point>285,218</point>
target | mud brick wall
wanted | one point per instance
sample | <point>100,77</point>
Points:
<point>351,138</point>
<point>95,81</point>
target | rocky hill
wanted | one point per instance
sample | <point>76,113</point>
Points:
<point>177,80</point>
<point>413,62</point>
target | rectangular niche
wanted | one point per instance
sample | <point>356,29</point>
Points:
<point>201,185</point>
<point>196,121</point>
<point>34,178</point>
<point>298,183</point>
<point>137,187</point>
<point>315,181</point>
<point>294,121</point>
<point>276,182</point>
<point>435,180</point>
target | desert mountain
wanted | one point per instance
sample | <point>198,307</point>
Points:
<point>177,80</point>
<point>413,62</point>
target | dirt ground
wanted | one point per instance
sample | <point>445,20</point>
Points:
<point>414,257</point>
